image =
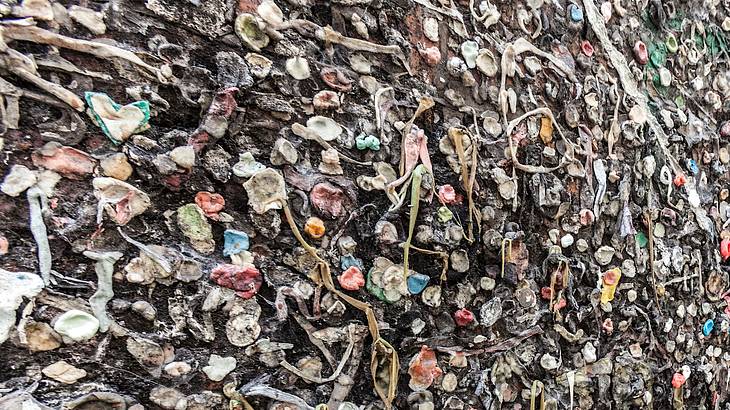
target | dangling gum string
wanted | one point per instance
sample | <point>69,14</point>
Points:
<point>415,200</point>
<point>468,176</point>
<point>650,229</point>
<point>562,265</point>
<point>473,178</point>
<point>571,386</point>
<point>443,255</point>
<point>444,259</point>
<point>504,241</point>
<point>678,400</point>
<point>552,288</point>
<point>533,395</point>
<point>420,149</point>
<point>542,398</point>
<point>618,61</point>
<point>424,103</point>
<point>378,115</point>
<point>325,277</point>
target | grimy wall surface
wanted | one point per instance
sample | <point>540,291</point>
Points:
<point>364,204</point>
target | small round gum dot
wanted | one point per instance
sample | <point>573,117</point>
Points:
<point>245,280</point>
<point>707,327</point>
<point>587,48</point>
<point>671,43</point>
<point>608,325</point>
<point>610,278</point>
<point>546,293</point>
<point>314,227</point>
<point>678,380</point>
<point>586,217</point>
<point>448,195</point>
<point>463,317</point>
<point>680,180</point>
<point>210,203</point>
<point>640,52</point>
<point>352,278</point>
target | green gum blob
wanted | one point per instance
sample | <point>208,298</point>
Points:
<point>192,222</point>
<point>445,214</point>
<point>364,141</point>
<point>671,43</point>
<point>374,289</point>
